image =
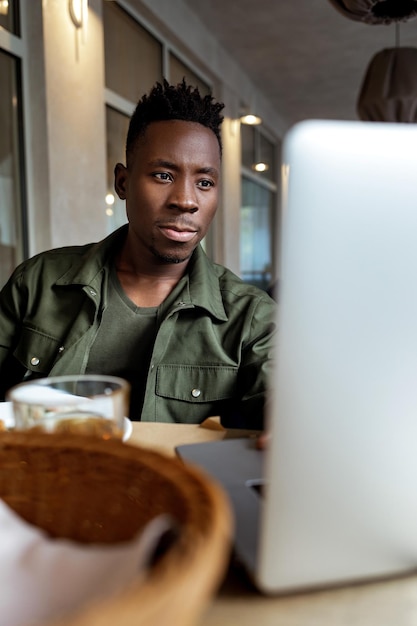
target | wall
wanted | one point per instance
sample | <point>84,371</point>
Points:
<point>35,129</point>
<point>67,127</point>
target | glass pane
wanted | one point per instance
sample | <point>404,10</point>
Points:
<point>133,57</point>
<point>247,138</point>
<point>116,128</point>
<point>266,154</point>
<point>256,234</point>
<point>257,149</point>
<point>9,15</point>
<point>11,244</point>
<point>178,71</point>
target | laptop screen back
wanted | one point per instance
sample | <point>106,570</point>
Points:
<point>342,465</point>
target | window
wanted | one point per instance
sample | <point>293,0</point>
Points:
<point>9,19</point>
<point>258,219</point>
<point>117,125</point>
<point>258,150</point>
<point>12,236</point>
<point>178,70</point>
<point>256,228</point>
<point>133,57</point>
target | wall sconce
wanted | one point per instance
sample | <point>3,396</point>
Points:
<point>260,167</point>
<point>4,7</point>
<point>249,118</point>
<point>246,115</point>
<point>78,10</point>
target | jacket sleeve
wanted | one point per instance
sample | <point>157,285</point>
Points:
<point>255,369</point>
<point>11,314</point>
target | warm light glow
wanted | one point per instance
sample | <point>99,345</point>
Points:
<point>78,10</point>
<point>109,199</point>
<point>109,211</point>
<point>285,176</point>
<point>253,120</point>
<point>4,7</point>
<point>260,167</point>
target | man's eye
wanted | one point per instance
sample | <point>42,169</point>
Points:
<point>206,183</point>
<point>163,176</point>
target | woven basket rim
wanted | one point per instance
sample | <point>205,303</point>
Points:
<point>183,580</point>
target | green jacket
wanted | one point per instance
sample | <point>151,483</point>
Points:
<point>211,356</point>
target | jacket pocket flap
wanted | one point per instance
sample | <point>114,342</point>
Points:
<point>196,383</point>
<point>36,351</point>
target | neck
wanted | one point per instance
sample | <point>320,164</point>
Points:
<point>147,283</point>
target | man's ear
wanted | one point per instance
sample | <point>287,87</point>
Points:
<point>120,180</point>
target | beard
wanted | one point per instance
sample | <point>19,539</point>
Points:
<point>170,258</point>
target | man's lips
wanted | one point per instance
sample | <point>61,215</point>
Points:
<point>175,233</point>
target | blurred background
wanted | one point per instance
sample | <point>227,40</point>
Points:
<point>72,71</point>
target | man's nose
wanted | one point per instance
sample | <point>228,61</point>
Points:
<point>184,196</point>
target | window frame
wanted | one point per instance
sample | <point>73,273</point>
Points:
<point>272,186</point>
<point>14,46</point>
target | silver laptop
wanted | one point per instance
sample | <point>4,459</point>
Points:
<point>339,503</point>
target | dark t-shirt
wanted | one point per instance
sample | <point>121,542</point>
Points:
<point>124,342</point>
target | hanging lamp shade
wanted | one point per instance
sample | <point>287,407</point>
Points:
<point>389,88</point>
<point>377,11</point>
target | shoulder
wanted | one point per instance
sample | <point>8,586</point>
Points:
<point>55,261</point>
<point>87,259</point>
<point>234,288</point>
<point>225,296</point>
<point>214,275</point>
<point>244,304</point>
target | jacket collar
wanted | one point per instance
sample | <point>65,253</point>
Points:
<point>202,290</point>
<point>203,285</point>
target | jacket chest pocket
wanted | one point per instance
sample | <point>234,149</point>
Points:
<point>196,384</point>
<point>37,351</point>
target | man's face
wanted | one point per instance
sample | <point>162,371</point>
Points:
<point>171,188</point>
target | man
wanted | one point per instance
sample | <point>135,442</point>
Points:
<point>146,303</point>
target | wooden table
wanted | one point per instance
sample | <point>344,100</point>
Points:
<point>165,437</point>
<point>387,603</point>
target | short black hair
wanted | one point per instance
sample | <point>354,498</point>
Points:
<point>174,102</point>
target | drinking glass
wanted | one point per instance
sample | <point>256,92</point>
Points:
<point>77,404</point>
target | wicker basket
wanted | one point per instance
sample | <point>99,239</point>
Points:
<point>93,491</point>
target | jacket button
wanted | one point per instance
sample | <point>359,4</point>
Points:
<point>34,360</point>
<point>196,393</point>
<point>92,292</point>
<point>61,349</point>
<point>181,303</point>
